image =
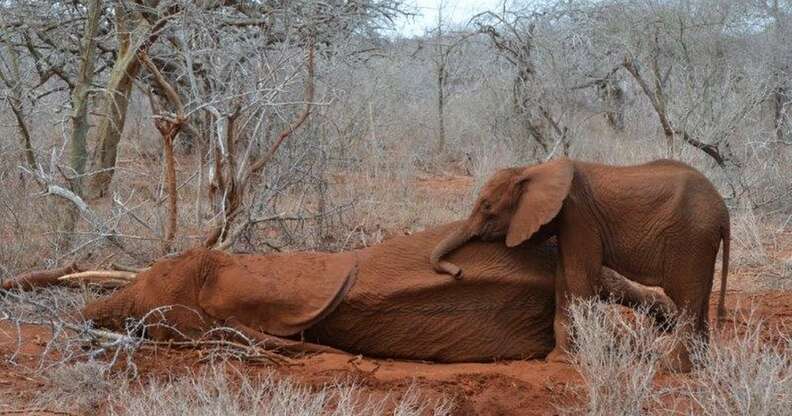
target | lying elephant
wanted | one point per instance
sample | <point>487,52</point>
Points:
<point>376,301</point>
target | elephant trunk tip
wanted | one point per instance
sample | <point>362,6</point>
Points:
<point>449,244</point>
<point>445,267</point>
<point>453,270</point>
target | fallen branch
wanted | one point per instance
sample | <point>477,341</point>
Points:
<point>39,278</point>
<point>125,268</point>
<point>35,411</point>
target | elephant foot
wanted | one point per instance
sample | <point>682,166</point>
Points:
<point>558,355</point>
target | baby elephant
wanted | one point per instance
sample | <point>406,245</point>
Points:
<point>659,224</point>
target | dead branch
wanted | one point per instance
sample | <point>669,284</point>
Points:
<point>657,99</point>
<point>596,81</point>
<point>51,188</point>
<point>78,202</point>
<point>256,166</point>
<point>33,411</point>
<point>39,278</point>
<point>168,128</point>
<point>126,268</point>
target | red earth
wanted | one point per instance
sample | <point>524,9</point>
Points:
<point>530,387</point>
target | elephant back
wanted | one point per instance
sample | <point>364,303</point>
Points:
<point>399,307</point>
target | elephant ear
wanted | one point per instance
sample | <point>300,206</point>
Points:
<point>544,188</point>
<point>279,294</point>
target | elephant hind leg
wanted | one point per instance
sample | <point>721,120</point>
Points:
<point>689,285</point>
<point>627,293</point>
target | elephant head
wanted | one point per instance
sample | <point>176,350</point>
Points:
<point>514,204</point>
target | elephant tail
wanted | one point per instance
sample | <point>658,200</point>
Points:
<point>726,238</point>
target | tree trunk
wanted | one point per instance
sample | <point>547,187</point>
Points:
<point>78,154</point>
<point>13,82</point>
<point>781,93</point>
<point>111,126</point>
<point>441,81</point>
<point>116,99</point>
<point>170,183</point>
<point>781,100</point>
<point>27,146</point>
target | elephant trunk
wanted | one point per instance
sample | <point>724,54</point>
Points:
<point>452,241</point>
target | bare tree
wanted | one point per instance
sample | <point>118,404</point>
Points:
<point>78,153</point>
<point>781,94</point>
<point>445,44</point>
<point>168,126</point>
<point>11,76</point>
<point>137,27</point>
<point>513,34</point>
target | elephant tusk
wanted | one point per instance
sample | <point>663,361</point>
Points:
<point>100,275</point>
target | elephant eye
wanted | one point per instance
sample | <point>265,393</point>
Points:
<point>486,205</point>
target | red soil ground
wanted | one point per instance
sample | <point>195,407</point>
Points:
<point>530,387</point>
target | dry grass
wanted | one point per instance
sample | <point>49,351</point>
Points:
<point>82,387</point>
<point>221,389</point>
<point>617,353</point>
<point>759,246</point>
<point>744,373</point>
<point>745,370</point>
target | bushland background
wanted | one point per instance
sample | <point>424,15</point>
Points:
<point>134,129</point>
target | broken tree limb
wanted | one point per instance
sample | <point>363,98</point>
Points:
<point>126,268</point>
<point>40,278</point>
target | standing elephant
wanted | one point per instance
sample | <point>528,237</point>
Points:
<point>659,224</point>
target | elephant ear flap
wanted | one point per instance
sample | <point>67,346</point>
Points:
<point>544,188</point>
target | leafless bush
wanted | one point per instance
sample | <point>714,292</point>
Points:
<point>759,244</point>
<point>617,353</point>
<point>744,372</point>
<point>44,304</point>
<point>70,340</point>
<point>750,237</point>
<point>81,386</point>
<point>745,369</point>
<point>214,391</point>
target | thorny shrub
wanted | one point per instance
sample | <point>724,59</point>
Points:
<point>745,369</point>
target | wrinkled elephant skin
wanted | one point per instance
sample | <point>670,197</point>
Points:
<point>378,301</point>
<point>659,224</point>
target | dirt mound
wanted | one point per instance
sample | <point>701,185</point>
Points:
<point>527,387</point>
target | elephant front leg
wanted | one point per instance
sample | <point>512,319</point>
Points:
<point>577,277</point>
